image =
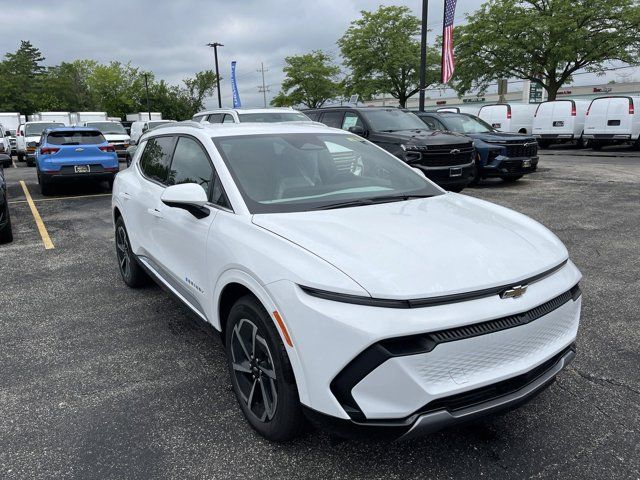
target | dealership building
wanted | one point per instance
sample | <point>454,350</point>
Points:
<point>522,96</point>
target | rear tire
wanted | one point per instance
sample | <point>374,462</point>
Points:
<point>130,270</point>
<point>6,233</point>
<point>261,373</point>
<point>45,185</point>
<point>475,180</point>
<point>20,157</point>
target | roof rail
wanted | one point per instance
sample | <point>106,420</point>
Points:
<point>183,123</point>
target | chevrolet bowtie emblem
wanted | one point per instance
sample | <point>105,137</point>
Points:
<point>455,151</point>
<point>514,292</point>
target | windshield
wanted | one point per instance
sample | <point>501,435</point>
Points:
<point>273,117</point>
<point>307,171</point>
<point>392,119</point>
<point>75,137</point>
<point>466,124</point>
<point>107,128</point>
<point>33,129</point>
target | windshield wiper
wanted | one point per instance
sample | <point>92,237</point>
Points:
<point>371,201</point>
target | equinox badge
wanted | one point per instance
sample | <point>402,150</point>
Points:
<point>514,292</point>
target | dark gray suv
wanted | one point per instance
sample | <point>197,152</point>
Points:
<point>445,158</point>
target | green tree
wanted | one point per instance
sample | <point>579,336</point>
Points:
<point>382,51</point>
<point>66,87</point>
<point>202,85</point>
<point>311,79</point>
<point>544,40</point>
<point>21,75</point>
<point>118,88</point>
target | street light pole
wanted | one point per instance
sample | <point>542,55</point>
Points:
<point>423,54</point>
<point>146,86</point>
<point>215,46</point>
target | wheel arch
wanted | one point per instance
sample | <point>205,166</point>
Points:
<point>232,285</point>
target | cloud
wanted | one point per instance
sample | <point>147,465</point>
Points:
<point>169,38</point>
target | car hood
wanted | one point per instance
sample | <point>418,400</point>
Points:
<point>116,137</point>
<point>423,137</point>
<point>500,136</point>
<point>422,248</point>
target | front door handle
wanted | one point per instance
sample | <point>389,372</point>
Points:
<point>155,212</point>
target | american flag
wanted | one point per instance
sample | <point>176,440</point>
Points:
<point>448,62</point>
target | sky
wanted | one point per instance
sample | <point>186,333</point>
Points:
<point>169,37</point>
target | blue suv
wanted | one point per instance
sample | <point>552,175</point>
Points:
<point>75,153</point>
<point>498,154</point>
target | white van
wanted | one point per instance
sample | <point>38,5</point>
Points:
<point>82,117</point>
<point>56,117</point>
<point>509,117</point>
<point>559,121</point>
<point>612,120</point>
<point>140,127</point>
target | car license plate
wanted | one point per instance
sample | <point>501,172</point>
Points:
<point>558,124</point>
<point>496,125</point>
<point>82,168</point>
<point>455,172</point>
<point>526,163</point>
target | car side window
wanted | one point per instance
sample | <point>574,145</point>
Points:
<point>228,119</point>
<point>190,164</point>
<point>214,118</point>
<point>332,119</point>
<point>156,158</point>
<point>313,115</point>
<point>351,119</point>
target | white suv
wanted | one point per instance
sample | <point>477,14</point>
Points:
<point>366,299</point>
<point>251,115</point>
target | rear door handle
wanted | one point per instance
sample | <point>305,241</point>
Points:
<point>155,212</point>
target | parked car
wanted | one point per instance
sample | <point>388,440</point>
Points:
<point>508,156</point>
<point>5,146</point>
<point>75,153</point>
<point>11,121</point>
<point>29,139</point>
<point>251,115</point>
<point>140,127</point>
<point>6,234</point>
<point>368,300</point>
<point>560,121</point>
<point>115,134</point>
<point>446,158</point>
<point>509,117</point>
<point>613,120</point>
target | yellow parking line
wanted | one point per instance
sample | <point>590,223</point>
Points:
<point>61,198</point>
<point>48,244</point>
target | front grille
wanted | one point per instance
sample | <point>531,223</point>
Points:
<point>446,155</point>
<point>520,150</point>
<point>496,390</point>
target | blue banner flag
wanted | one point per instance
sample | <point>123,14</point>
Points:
<point>234,86</point>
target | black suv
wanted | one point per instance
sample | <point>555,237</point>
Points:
<point>6,234</point>
<point>445,158</point>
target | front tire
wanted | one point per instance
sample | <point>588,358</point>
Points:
<point>261,373</point>
<point>130,270</point>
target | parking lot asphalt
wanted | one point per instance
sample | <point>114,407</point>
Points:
<point>101,381</point>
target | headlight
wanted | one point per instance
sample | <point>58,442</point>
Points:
<point>413,148</point>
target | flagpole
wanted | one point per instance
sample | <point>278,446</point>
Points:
<point>423,54</point>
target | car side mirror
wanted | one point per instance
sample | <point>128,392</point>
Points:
<point>357,130</point>
<point>188,196</point>
<point>419,172</point>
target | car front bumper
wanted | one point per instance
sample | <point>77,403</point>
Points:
<point>502,166</point>
<point>455,175</point>
<point>363,367</point>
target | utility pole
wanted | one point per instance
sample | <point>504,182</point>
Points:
<point>215,46</point>
<point>264,88</point>
<point>423,54</point>
<point>146,86</point>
